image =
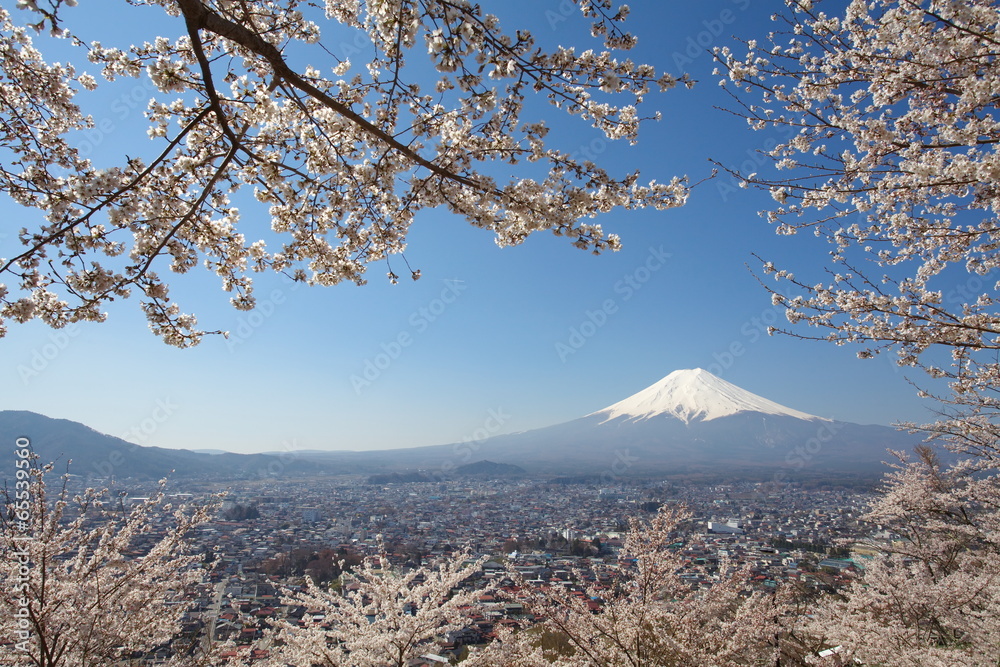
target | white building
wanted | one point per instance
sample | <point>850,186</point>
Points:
<point>731,527</point>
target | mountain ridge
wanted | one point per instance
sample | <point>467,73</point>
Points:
<point>689,421</point>
<point>89,454</point>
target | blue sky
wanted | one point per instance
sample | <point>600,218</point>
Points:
<point>540,334</point>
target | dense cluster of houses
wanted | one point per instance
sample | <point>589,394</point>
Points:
<point>551,534</point>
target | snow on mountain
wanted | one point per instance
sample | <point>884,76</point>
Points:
<point>694,395</point>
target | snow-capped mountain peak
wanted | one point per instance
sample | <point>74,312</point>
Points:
<point>693,395</point>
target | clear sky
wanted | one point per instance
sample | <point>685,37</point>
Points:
<point>538,334</point>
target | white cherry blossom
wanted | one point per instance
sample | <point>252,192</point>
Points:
<point>341,156</point>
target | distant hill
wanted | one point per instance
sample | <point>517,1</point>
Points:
<point>97,456</point>
<point>489,469</point>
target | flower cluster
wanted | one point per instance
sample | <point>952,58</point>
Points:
<point>891,116</point>
<point>95,580</point>
<point>653,616</point>
<point>340,156</point>
<point>381,616</point>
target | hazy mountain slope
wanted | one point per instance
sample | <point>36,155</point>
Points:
<point>97,456</point>
<point>690,420</point>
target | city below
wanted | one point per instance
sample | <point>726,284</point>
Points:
<point>764,492</point>
<point>268,535</point>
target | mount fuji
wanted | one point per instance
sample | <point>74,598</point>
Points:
<point>690,422</point>
<point>694,396</point>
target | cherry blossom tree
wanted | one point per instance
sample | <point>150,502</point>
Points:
<point>889,109</point>
<point>891,116</point>
<point>653,616</point>
<point>933,597</point>
<point>341,156</point>
<point>85,581</point>
<point>381,616</point>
